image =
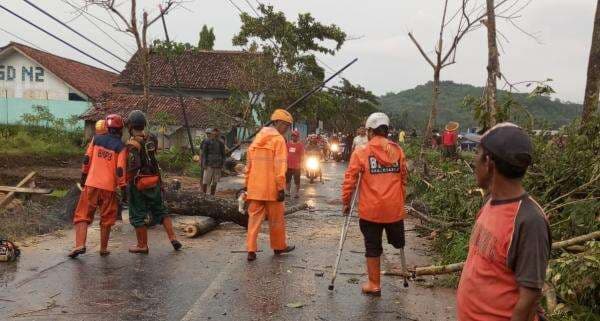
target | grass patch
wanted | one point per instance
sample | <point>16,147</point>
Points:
<point>41,142</point>
<point>59,193</point>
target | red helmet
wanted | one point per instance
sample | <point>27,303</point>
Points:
<point>114,121</point>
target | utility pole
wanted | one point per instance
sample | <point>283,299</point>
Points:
<point>177,86</point>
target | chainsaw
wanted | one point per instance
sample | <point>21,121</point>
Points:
<point>9,252</point>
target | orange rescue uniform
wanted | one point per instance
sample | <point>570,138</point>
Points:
<point>104,164</point>
<point>265,177</point>
<point>382,188</point>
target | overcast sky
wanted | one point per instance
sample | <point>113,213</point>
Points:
<point>388,61</point>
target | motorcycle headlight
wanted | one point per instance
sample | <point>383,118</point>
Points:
<point>312,163</point>
<point>335,147</point>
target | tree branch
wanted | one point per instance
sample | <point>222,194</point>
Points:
<point>421,50</point>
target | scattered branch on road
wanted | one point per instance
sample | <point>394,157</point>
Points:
<point>457,267</point>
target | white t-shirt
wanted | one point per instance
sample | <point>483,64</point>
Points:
<point>359,141</point>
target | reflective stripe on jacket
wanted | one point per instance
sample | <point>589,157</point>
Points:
<point>267,164</point>
<point>382,188</point>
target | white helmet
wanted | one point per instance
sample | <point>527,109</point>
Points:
<point>377,119</point>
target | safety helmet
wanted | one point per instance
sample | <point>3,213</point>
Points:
<point>136,118</point>
<point>101,127</point>
<point>114,121</point>
<point>295,133</point>
<point>377,119</point>
<point>283,115</point>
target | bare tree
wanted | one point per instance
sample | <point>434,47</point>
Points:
<point>493,67</point>
<point>128,22</point>
<point>592,88</point>
<point>467,18</point>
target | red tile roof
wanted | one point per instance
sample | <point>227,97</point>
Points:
<point>196,69</point>
<point>201,113</point>
<point>90,81</point>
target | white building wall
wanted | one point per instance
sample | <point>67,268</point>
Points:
<point>21,77</point>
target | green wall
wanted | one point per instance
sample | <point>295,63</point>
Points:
<point>11,109</point>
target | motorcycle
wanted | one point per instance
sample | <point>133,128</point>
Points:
<point>312,166</point>
<point>337,151</point>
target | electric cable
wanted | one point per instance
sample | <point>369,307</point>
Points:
<point>59,39</point>
<point>73,30</point>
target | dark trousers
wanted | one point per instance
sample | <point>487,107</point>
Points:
<point>373,234</point>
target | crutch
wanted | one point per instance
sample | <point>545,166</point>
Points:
<point>404,269</point>
<point>344,233</point>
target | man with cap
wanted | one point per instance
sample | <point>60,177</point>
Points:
<point>103,176</point>
<point>295,152</point>
<point>146,207</point>
<point>213,158</point>
<point>510,244</point>
<point>381,166</point>
<point>265,184</point>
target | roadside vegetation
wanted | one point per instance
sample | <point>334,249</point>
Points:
<point>40,134</point>
<point>564,179</point>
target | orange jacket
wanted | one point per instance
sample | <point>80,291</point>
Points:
<point>382,188</point>
<point>105,163</point>
<point>267,164</point>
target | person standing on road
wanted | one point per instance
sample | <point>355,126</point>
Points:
<point>382,166</point>
<point>401,137</point>
<point>265,184</point>
<point>510,245</point>
<point>295,152</point>
<point>213,155</point>
<point>146,206</point>
<point>361,139</point>
<point>103,174</point>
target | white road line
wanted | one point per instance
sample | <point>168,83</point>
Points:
<point>195,312</point>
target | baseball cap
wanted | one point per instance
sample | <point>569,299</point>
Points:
<point>508,142</point>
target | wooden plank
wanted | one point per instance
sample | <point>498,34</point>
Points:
<point>9,197</point>
<point>26,190</point>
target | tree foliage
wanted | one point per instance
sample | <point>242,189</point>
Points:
<point>207,38</point>
<point>291,43</point>
<point>290,67</point>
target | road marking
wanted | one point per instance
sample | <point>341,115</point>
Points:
<point>195,312</point>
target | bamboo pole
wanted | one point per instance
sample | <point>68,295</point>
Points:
<point>457,267</point>
<point>9,197</point>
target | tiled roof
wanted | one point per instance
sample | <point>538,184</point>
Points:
<point>91,81</point>
<point>201,113</point>
<point>197,70</point>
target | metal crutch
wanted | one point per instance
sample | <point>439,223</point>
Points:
<point>344,233</point>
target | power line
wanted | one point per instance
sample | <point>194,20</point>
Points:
<point>30,43</point>
<point>59,39</point>
<point>85,15</point>
<point>73,30</point>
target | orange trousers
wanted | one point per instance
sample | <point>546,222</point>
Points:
<point>274,211</point>
<point>93,198</point>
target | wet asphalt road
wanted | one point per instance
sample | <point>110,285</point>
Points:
<point>210,280</point>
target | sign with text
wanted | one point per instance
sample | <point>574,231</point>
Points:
<point>27,74</point>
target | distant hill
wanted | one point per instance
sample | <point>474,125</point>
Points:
<point>410,108</point>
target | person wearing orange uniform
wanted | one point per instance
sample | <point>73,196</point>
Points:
<point>103,174</point>
<point>265,184</point>
<point>382,167</point>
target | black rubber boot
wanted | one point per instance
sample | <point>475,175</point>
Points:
<point>288,249</point>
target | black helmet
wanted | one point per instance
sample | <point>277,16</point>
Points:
<point>136,118</point>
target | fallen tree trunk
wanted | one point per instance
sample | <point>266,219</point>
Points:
<point>221,209</point>
<point>457,267</point>
<point>195,226</point>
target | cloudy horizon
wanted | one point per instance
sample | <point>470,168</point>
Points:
<point>388,61</point>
